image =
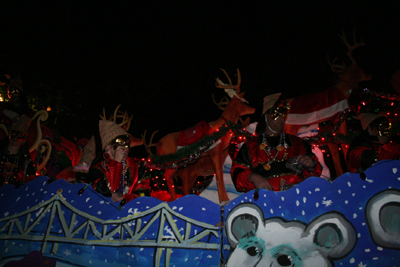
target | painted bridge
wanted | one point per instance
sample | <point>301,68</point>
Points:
<point>57,221</point>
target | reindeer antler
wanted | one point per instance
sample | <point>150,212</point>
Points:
<point>336,68</point>
<point>351,47</point>
<point>126,120</point>
<point>128,123</point>
<point>104,117</point>
<point>230,86</point>
<point>222,103</point>
<point>115,114</point>
<point>151,144</point>
<point>231,89</point>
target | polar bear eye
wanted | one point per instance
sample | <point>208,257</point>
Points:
<point>284,260</point>
<point>252,251</point>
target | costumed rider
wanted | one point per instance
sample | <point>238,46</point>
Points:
<point>117,175</point>
<point>273,160</point>
<point>16,166</point>
<point>374,143</point>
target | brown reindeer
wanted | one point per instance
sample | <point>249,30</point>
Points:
<point>169,144</point>
<point>348,80</point>
<point>349,77</point>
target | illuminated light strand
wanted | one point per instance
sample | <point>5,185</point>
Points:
<point>191,153</point>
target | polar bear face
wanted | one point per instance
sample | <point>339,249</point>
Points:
<point>383,218</point>
<point>275,242</point>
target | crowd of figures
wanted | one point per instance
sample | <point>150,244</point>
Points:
<point>270,158</point>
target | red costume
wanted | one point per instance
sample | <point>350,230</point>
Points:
<point>373,144</point>
<point>363,156</point>
<point>267,156</point>
<point>113,176</point>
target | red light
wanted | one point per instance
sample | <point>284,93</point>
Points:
<point>392,104</point>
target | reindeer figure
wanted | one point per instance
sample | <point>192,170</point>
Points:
<point>169,144</point>
<point>349,77</point>
<point>324,105</point>
<point>328,104</point>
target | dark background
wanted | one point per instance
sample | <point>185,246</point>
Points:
<point>159,59</point>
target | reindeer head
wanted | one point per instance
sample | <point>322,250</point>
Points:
<point>231,89</point>
<point>237,106</point>
<point>352,74</point>
<point>124,124</point>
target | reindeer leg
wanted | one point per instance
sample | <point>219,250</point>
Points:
<point>218,164</point>
<point>169,177</point>
<point>188,176</point>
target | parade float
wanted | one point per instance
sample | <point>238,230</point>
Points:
<point>352,220</point>
<point>348,222</point>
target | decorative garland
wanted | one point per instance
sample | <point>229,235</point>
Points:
<point>191,153</point>
<point>372,93</point>
<point>329,137</point>
<point>341,119</point>
<point>333,136</point>
<point>242,133</point>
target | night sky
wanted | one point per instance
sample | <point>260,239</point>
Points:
<point>159,59</point>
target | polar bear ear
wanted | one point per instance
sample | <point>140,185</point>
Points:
<point>242,220</point>
<point>383,218</point>
<point>333,234</point>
